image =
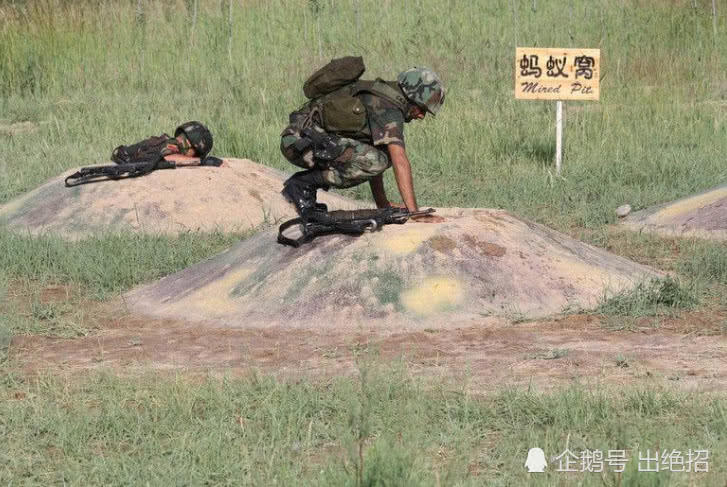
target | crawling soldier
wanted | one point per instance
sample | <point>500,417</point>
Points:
<point>354,134</point>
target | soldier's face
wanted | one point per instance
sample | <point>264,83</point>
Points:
<point>185,142</point>
<point>415,113</point>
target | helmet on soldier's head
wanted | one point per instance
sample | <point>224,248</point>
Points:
<point>198,135</point>
<point>422,87</point>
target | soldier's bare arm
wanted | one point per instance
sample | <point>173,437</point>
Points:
<point>378,192</point>
<point>402,173</point>
<point>180,160</point>
<point>405,183</point>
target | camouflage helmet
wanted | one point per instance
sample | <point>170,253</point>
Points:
<point>198,135</point>
<point>422,87</point>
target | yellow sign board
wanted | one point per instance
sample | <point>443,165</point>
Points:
<point>557,74</point>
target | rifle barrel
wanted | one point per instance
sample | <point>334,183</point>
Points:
<point>428,211</point>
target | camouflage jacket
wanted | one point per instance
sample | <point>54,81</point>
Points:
<point>384,119</point>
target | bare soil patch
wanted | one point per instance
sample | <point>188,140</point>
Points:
<point>689,351</point>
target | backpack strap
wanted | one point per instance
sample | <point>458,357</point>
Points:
<point>387,90</point>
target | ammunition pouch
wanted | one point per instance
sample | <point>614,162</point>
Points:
<point>343,113</point>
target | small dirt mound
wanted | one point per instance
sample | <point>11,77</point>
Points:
<point>478,263</point>
<point>236,196</point>
<point>703,215</point>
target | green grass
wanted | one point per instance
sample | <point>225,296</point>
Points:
<point>96,77</point>
<point>650,298</point>
<point>94,269</point>
<point>706,261</point>
<point>699,264</point>
<point>106,264</point>
<point>379,428</point>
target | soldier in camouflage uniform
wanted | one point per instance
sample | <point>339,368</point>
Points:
<point>191,139</point>
<point>343,160</point>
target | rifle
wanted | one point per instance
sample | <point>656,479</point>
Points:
<point>355,222</point>
<point>92,174</point>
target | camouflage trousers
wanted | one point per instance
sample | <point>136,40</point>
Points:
<point>358,162</point>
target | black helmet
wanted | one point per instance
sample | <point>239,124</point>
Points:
<point>199,136</point>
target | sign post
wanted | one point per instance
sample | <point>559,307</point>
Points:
<point>558,135</point>
<point>557,74</point>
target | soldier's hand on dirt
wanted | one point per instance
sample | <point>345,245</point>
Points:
<point>400,206</point>
<point>428,219</point>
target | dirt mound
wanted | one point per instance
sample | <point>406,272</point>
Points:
<point>478,263</point>
<point>703,215</point>
<point>236,196</point>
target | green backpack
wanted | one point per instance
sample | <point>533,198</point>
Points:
<point>334,75</point>
<point>333,90</point>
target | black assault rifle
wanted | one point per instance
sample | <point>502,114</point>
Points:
<point>92,174</point>
<point>348,222</point>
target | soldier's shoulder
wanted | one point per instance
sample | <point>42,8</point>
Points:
<point>378,101</point>
<point>381,106</point>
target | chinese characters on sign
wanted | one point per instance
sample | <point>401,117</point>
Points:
<point>616,460</point>
<point>557,74</point>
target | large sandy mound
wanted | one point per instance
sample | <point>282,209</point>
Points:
<point>703,215</point>
<point>237,196</point>
<point>477,263</point>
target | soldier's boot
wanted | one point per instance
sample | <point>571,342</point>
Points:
<point>301,189</point>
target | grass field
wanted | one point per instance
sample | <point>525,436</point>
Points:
<point>79,78</point>
<point>383,429</point>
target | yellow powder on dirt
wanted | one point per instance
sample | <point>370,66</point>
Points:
<point>214,298</point>
<point>576,270</point>
<point>440,266</point>
<point>691,204</point>
<point>592,280</point>
<point>407,240</point>
<point>432,295</point>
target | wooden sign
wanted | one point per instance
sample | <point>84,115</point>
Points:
<point>557,74</point>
